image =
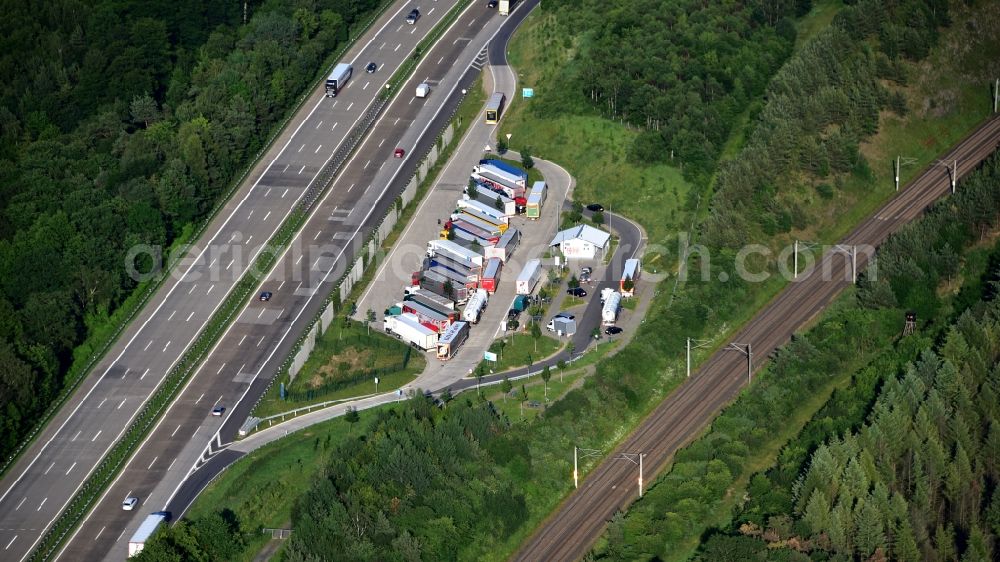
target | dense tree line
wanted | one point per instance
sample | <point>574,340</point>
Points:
<point>820,106</point>
<point>217,536</point>
<point>913,265</point>
<point>680,71</point>
<point>122,123</point>
<point>423,484</point>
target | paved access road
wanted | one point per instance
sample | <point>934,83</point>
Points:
<point>39,485</point>
<point>612,485</point>
<point>249,353</point>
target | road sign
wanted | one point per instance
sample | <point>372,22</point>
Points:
<point>490,356</point>
<point>527,92</point>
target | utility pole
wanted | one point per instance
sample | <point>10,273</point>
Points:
<point>996,94</point>
<point>952,172</point>
<point>795,255</point>
<point>900,162</point>
<point>576,471</point>
<point>697,345</point>
<point>636,459</point>
<point>745,350</point>
<point>851,251</point>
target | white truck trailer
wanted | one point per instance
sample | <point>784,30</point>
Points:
<point>451,340</point>
<point>146,531</point>
<point>455,252</point>
<point>474,308</point>
<point>338,78</point>
<point>529,277</point>
<point>407,327</point>
<point>612,302</point>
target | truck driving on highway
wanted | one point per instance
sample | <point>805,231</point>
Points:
<point>335,82</point>
<point>146,531</point>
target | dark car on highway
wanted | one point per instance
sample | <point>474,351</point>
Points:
<point>576,292</point>
<point>595,208</point>
<point>491,4</point>
<point>372,67</point>
<point>265,296</point>
<point>413,17</point>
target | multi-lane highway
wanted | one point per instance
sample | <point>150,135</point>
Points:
<point>250,351</point>
<point>568,534</point>
<point>39,485</point>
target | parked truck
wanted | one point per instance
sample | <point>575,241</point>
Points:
<point>535,200</point>
<point>427,295</point>
<point>429,317</point>
<point>430,302</point>
<point>454,251</point>
<point>609,313</point>
<point>474,308</point>
<point>407,327</point>
<point>496,216</point>
<point>451,340</point>
<point>472,232</point>
<point>487,196</point>
<point>146,530</point>
<point>631,274</point>
<point>338,78</point>
<point>481,220</point>
<point>469,273</point>
<point>491,275</point>
<point>505,245</point>
<point>529,277</point>
<point>438,284</point>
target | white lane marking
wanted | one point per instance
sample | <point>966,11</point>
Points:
<point>350,188</point>
<point>381,67</point>
<point>99,532</point>
<point>298,260</point>
<point>150,467</point>
<point>441,60</point>
<point>397,47</point>
<point>41,504</point>
<point>282,284</point>
<point>285,169</point>
<point>302,169</point>
<point>430,12</point>
<point>472,22</point>
<point>249,238</point>
<point>316,262</point>
<point>241,340</point>
<point>98,434</point>
<point>381,143</point>
<point>70,469</point>
<point>199,398</point>
<point>301,147</point>
<point>382,45</point>
<point>210,289</point>
<point>261,313</point>
<point>398,28</point>
<point>317,149</point>
<point>366,164</point>
<point>171,316</point>
<point>335,102</point>
<point>192,288</point>
<point>412,31</point>
<point>231,262</point>
<point>221,368</point>
<point>285,193</point>
<point>176,430</point>
<point>318,125</point>
<point>147,345</point>
<point>146,372</point>
<point>350,106</point>
<point>267,215</point>
<point>102,403</point>
<point>380,166</point>
<point>10,543</point>
<point>411,101</point>
<point>49,468</point>
<point>189,316</point>
<point>250,214</point>
<point>299,286</point>
<point>171,464</point>
<point>333,127</point>
<point>318,232</point>
<point>365,87</point>
<point>120,536</point>
<point>74,437</point>
<point>122,404</point>
<point>261,341</point>
<point>21,503</point>
<point>219,400</point>
<point>164,350</point>
<point>396,123</point>
<point>268,192</point>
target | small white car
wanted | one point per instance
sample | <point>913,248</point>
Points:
<point>130,503</point>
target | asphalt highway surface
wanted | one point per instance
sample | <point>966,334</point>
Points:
<point>569,533</point>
